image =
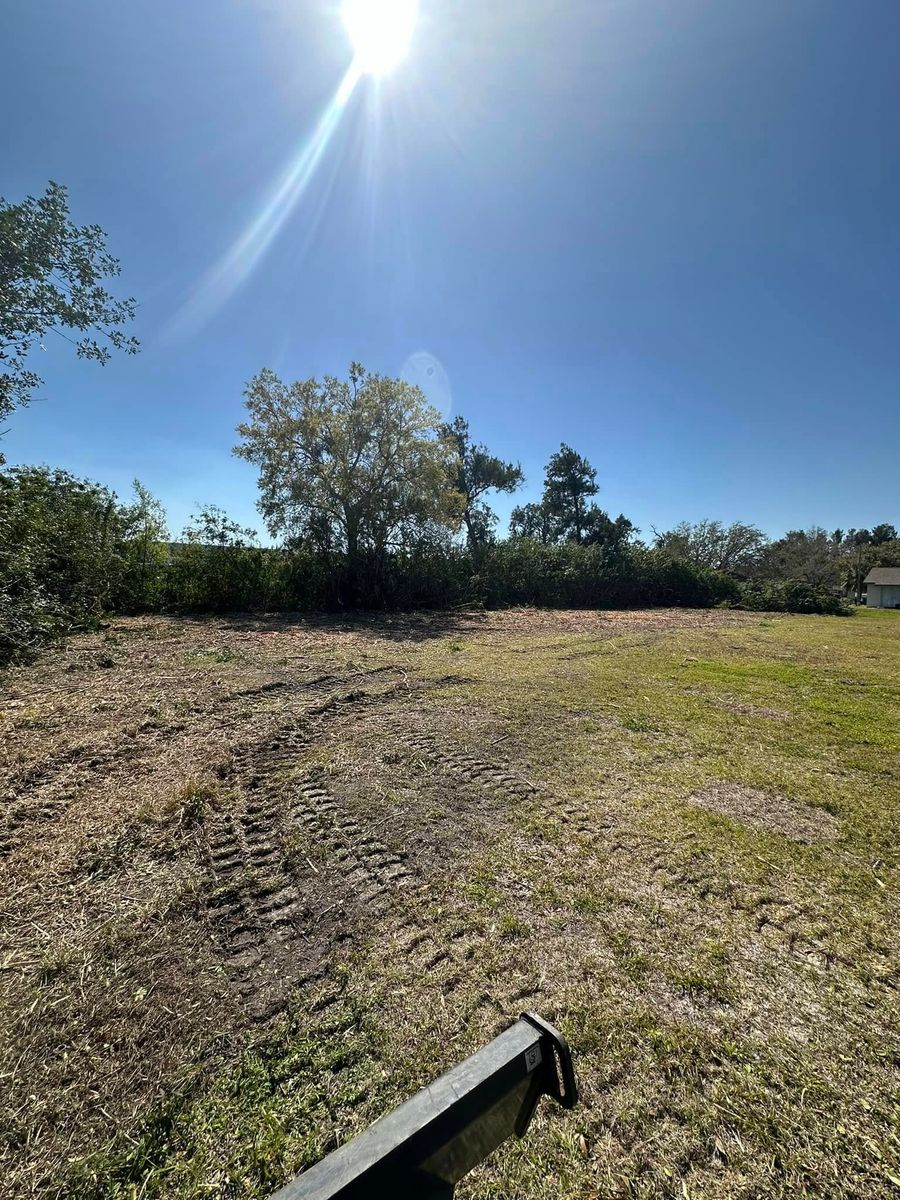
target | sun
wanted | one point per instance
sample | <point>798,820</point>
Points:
<point>380,31</point>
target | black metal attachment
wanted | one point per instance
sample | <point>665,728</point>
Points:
<point>566,1089</point>
<point>424,1147</point>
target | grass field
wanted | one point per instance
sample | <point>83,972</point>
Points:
<point>261,879</point>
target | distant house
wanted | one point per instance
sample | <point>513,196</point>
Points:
<point>883,587</point>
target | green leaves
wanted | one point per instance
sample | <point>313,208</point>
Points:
<point>50,280</point>
<point>564,513</point>
<point>357,467</point>
<point>69,551</point>
<point>475,471</point>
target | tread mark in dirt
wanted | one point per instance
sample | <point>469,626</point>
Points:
<point>375,871</point>
<point>577,814</point>
<point>259,913</point>
<point>466,766</point>
<point>499,778</point>
<point>764,913</point>
<point>322,683</point>
<point>443,959</point>
<point>269,910</point>
<point>83,763</point>
<point>371,878</point>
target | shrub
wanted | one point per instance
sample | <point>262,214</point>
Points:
<point>792,595</point>
<point>59,555</point>
<point>524,571</point>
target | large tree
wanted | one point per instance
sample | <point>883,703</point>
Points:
<point>51,274</point>
<point>475,471</point>
<point>883,533</point>
<point>565,513</point>
<point>569,482</point>
<point>809,555</point>
<point>357,466</point>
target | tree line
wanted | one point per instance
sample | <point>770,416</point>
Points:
<point>377,502</point>
<point>373,499</point>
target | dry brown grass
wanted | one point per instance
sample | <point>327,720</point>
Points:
<point>768,810</point>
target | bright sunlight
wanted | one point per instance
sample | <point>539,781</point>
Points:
<point>380,31</point>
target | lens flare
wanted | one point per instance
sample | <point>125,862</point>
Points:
<point>236,264</point>
<point>427,372</point>
<point>380,32</point>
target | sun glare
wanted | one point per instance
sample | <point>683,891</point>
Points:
<point>380,31</point>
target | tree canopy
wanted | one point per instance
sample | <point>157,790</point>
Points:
<point>359,465</point>
<point>569,482</point>
<point>532,521</point>
<point>565,513</point>
<point>210,525</point>
<point>475,471</point>
<point>715,546</point>
<point>804,554</point>
<point>51,274</point>
<point>883,533</point>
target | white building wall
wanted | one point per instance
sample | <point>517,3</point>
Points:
<point>882,595</point>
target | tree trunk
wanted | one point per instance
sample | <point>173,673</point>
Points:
<point>353,564</point>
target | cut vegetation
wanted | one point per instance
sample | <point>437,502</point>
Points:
<point>263,878</point>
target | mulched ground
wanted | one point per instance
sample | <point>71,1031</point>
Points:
<point>220,833</point>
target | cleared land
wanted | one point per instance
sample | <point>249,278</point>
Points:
<point>261,879</point>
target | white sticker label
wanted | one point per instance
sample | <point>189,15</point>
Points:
<point>533,1056</point>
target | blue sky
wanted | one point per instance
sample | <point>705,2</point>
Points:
<point>666,233</point>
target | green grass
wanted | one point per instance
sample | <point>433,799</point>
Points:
<point>211,656</point>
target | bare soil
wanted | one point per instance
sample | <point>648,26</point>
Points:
<point>768,810</point>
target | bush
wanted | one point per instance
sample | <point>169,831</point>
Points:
<point>524,571</point>
<point>435,574</point>
<point>792,595</point>
<point>69,551</point>
<point>59,556</point>
<point>214,578</point>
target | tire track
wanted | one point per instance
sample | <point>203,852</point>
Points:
<point>372,872</point>
<point>321,683</point>
<point>257,911</point>
<point>481,772</point>
<point>275,911</point>
<point>786,920</point>
<point>93,759</point>
<point>448,959</point>
<point>298,845</point>
<point>261,916</point>
<point>761,911</point>
<point>45,791</point>
<point>499,779</point>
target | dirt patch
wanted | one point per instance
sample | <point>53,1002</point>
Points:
<point>416,628</point>
<point>769,811</point>
<point>302,858</point>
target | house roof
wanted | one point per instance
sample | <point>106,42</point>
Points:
<point>888,575</point>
